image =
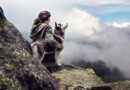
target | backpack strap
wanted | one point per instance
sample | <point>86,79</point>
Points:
<point>45,29</point>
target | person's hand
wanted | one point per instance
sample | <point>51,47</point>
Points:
<point>59,46</point>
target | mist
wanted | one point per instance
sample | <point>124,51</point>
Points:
<point>90,40</point>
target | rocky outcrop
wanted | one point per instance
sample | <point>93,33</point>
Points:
<point>71,77</point>
<point>120,85</point>
<point>18,69</point>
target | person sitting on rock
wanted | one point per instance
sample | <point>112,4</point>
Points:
<point>44,44</point>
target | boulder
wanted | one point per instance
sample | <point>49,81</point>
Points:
<point>19,70</point>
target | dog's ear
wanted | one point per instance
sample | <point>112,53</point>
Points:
<point>66,26</point>
<point>55,24</point>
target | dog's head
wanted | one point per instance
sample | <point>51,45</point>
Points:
<point>60,29</point>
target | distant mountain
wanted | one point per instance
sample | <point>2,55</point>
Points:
<point>107,73</point>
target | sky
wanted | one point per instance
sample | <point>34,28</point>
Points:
<point>98,29</point>
<point>109,11</point>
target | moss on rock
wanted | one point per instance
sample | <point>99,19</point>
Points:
<point>74,77</point>
<point>121,85</point>
<point>9,66</point>
<point>1,39</point>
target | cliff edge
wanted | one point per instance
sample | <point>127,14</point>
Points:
<point>18,69</point>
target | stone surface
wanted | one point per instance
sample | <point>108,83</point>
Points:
<point>72,77</point>
<point>18,69</point>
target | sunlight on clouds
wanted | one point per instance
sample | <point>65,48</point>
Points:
<point>121,25</point>
<point>80,22</point>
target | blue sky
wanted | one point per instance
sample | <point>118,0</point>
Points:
<point>109,13</point>
<point>118,17</point>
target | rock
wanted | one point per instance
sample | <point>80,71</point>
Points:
<point>18,69</point>
<point>120,85</point>
<point>101,88</point>
<point>75,78</point>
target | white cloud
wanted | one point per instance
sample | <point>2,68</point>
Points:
<point>79,21</point>
<point>121,25</point>
<point>90,40</point>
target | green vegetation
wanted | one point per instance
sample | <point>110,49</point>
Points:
<point>121,85</point>
<point>1,72</point>
<point>1,39</point>
<point>15,55</point>
<point>5,80</point>
<point>9,66</point>
<point>26,54</point>
<point>16,86</point>
<point>78,77</point>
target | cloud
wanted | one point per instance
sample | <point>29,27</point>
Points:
<point>121,25</point>
<point>90,40</point>
<point>79,22</point>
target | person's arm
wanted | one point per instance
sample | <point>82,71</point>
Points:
<point>51,41</point>
<point>59,39</point>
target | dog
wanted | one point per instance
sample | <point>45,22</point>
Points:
<point>59,35</point>
<point>38,46</point>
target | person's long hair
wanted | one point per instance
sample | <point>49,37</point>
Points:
<point>42,17</point>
